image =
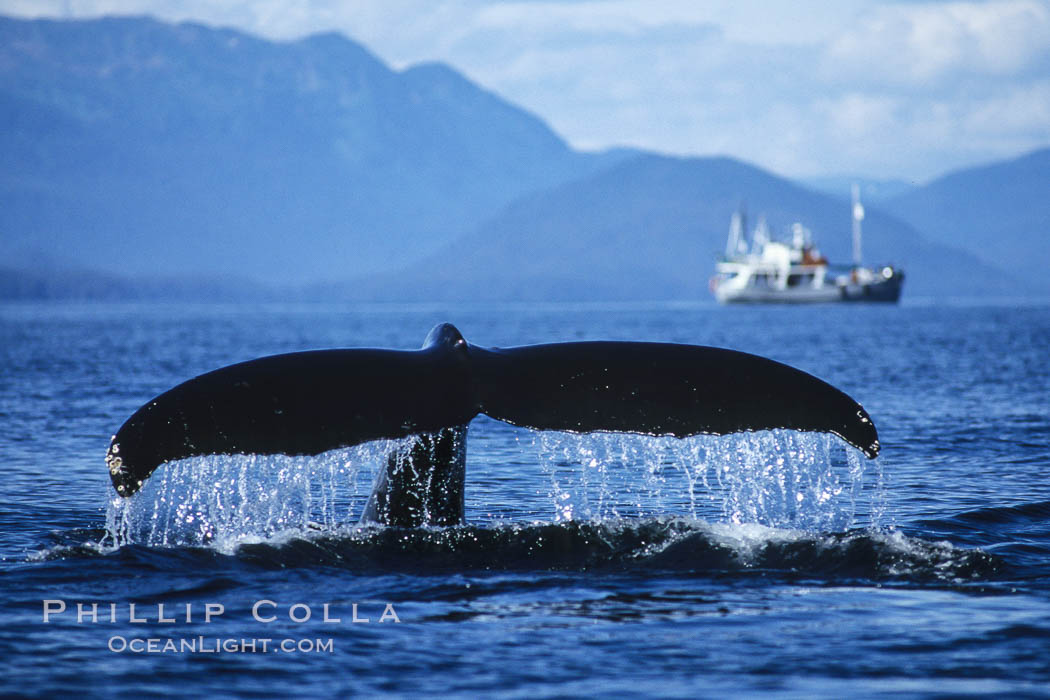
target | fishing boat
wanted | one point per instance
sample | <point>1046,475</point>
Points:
<point>763,270</point>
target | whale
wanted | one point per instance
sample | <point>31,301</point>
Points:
<point>310,402</point>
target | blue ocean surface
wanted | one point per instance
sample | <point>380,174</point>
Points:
<point>772,563</point>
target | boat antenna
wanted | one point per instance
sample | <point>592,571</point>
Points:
<point>858,216</point>
<point>743,225</point>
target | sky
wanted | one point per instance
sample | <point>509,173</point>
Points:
<point>877,88</point>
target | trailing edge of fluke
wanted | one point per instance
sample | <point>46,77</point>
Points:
<point>306,403</point>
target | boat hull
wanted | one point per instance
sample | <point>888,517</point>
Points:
<point>879,291</point>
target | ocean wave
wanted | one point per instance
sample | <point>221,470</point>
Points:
<point>671,545</point>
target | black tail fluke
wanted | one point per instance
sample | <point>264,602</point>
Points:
<point>311,402</point>
<point>661,389</point>
<point>298,404</point>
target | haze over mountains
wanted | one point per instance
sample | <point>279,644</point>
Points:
<point>147,159</point>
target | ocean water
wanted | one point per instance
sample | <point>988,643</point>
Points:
<point>772,563</point>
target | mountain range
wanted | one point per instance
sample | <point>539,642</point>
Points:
<point>1000,212</point>
<point>144,159</point>
<point>139,148</point>
<point>649,228</point>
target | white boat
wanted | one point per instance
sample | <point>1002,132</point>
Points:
<point>768,271</point>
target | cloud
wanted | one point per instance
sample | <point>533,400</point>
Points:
<point>1018,114</point>
<point>919,44</point>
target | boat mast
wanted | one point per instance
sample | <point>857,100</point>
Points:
<point>736,245</point>
<point>858,216</point>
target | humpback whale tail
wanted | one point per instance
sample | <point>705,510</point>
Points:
<point>307,403</point>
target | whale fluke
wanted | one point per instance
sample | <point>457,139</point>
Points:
<point>661,389</point>
<point>306,403</point>
<point>302,403</point>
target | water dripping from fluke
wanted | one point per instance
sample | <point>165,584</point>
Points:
<point>782,479</point>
